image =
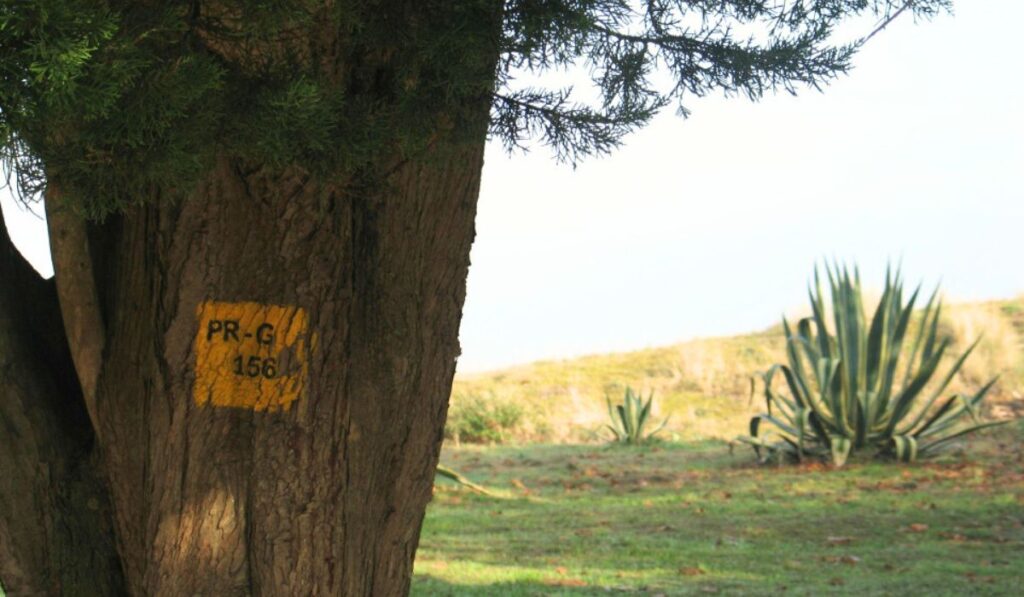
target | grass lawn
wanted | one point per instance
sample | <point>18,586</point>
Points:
<point>693,518</point>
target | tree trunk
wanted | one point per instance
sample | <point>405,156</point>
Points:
<point>308,474</point>
<point>249,391</point>
<point>322,495</point>
<point>55,531</point>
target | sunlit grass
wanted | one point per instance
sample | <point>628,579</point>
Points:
<point>693,518</point>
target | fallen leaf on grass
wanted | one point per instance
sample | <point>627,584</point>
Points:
<point>916,527</point>
<point>812,467</point>
<point>519,485</point>
<point>975,577</point>
<point>691,571</point>
<point>562,570</point>
<point>997,563</point>
<point>838,540</point>
<point>847,559</point>
<point>565,582</point>
<point>571,485</point>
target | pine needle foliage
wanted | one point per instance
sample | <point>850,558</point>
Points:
<point>128,101</point>
<point>851,387</point>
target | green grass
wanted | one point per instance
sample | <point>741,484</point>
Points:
<point>694,518</point>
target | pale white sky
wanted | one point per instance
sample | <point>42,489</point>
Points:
<point>712,225</point>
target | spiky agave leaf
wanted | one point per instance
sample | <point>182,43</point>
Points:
<point>841,388</point>
<point>905,448</point>
<point>840,448</point>
<point>616,423</point>
<point>630,418</point>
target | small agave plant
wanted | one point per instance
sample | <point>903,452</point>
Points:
<point>630,417</point>
<point>853,387</point>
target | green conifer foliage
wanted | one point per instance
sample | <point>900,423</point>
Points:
<point>126,101</point>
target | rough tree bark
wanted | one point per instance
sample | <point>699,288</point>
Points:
<point>55,531</point>
<point>322,495</point>
<point>325,497</point>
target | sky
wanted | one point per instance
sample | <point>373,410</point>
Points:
<point>712,225</point>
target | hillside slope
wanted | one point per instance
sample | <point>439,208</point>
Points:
<point>703,385</point>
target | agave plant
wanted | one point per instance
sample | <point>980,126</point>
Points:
<point>630,417</point>
<point>853,387</point>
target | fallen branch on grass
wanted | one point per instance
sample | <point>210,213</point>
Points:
<point>461,480</point>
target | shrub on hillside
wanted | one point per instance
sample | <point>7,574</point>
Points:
<point>999,351</point>
<point>476,419</point>
<point>848,387</point>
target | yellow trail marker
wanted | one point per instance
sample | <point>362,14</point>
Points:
<point>250,355</point>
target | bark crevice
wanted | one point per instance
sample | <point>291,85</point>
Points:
<point>56,535</point>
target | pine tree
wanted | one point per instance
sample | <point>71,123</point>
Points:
<point>260,213</point>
